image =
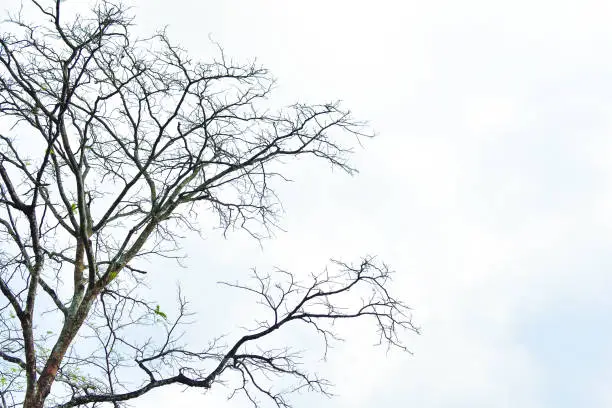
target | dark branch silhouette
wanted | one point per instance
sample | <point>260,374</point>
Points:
<point>109,145</point>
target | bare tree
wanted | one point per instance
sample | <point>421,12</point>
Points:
<point>109,144</point>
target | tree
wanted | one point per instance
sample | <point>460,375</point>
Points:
<point>109,145</point>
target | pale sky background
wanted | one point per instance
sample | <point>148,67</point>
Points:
<point>488,189</point>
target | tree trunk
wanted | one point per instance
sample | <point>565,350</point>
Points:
<point>33,403</point>
<point>42,388</point>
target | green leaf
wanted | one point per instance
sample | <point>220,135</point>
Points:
<point>160,313</point>
<point>113,275</point>
<point>51,151</point>
<point>12,315</point>
<point>73,207</point>
<point>49,332</point>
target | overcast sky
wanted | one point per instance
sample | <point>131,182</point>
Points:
<point>488,190</point>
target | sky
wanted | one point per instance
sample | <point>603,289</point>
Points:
<point>488,190</point>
